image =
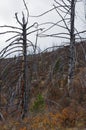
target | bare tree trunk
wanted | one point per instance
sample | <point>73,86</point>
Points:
<point>24,86</point>
<point>72,47</point>
<point>0,91</point>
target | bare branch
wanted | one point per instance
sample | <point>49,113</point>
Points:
<point>67,13</point>
<point>61,26</point>
<point>46,12</point>
<point>52,48</point>
<point>17,40</point>
<point>12,53</point>
<point>16,15</point>
<point>44,35</point>
<point>10,32</point>
<point>64,5</point>
<point>62,10</point>
<point>15,47</point>
<point>35,31</point>
<point>12,37</point>
<point>54,24</point>
<point>30,42</point>
<point>32,25</point>
<point>35,46</point>
<point>4,50</point>
<point>6,26</point>
<point>68,6</point>
<point>69,1</point>
<point>62,18</point>
<point>80,32</point>
<point>61,34</point>
<point>26,10</point>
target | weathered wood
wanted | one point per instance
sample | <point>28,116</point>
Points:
<point>72,46</point>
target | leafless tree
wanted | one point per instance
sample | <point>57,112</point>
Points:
<point>19,40</point>
<point>66,10</point>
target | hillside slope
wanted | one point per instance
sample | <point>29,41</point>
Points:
<point>49,106</point>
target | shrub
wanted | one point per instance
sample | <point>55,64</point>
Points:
<point>39,104</point>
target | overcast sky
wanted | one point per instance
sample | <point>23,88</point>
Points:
<point>36,7</point>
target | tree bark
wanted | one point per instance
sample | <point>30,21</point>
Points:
<point>72,47</point>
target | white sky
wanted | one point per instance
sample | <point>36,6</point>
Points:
<point>36,7</point>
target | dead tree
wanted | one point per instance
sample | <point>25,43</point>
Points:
<point>20,40</point>
<point>66,10</point>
